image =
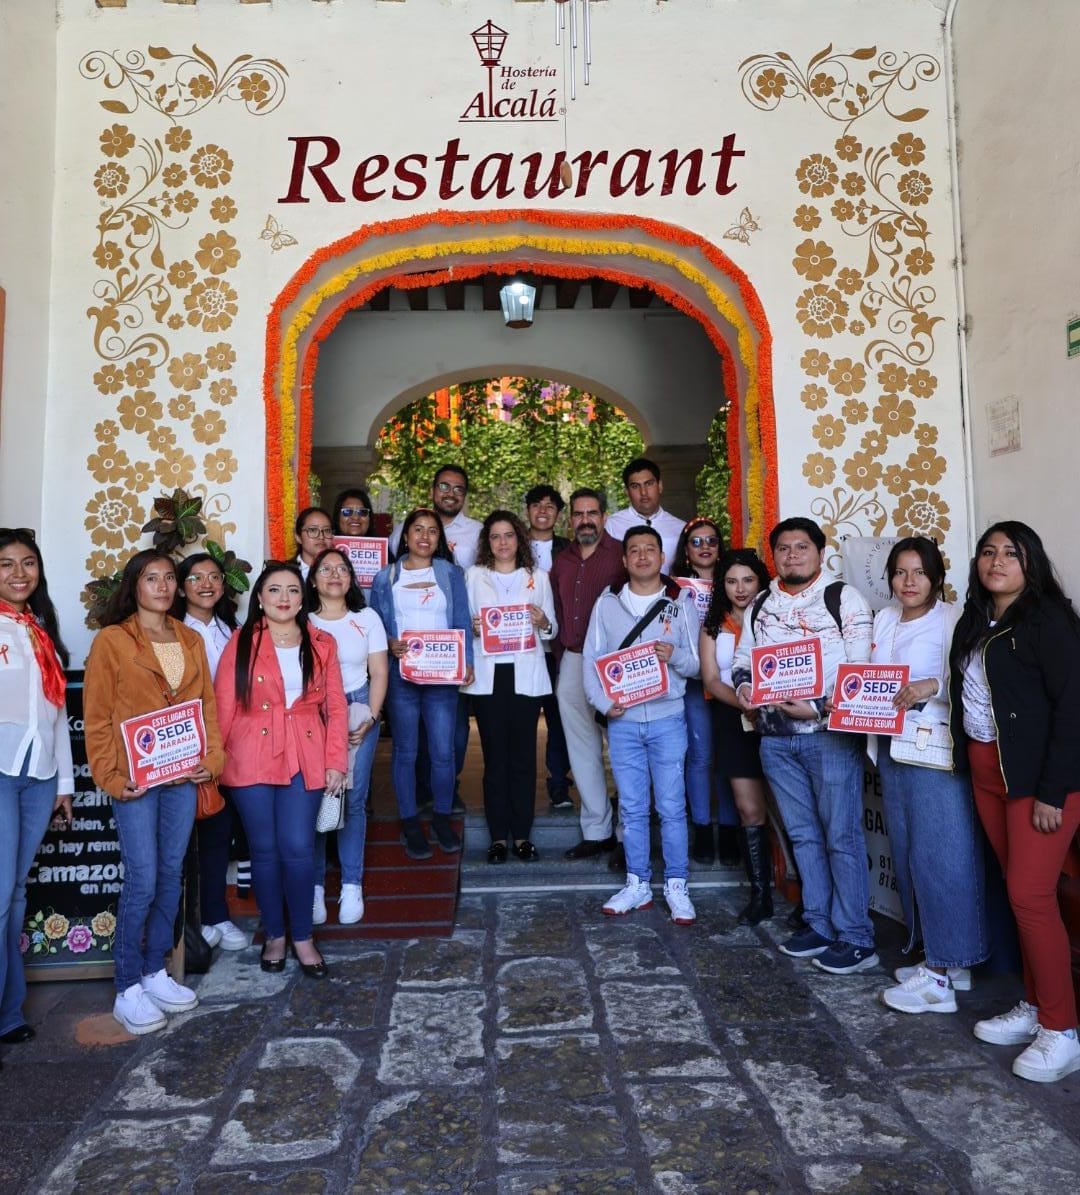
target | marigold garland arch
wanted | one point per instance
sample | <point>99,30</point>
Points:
<point>338,278</point>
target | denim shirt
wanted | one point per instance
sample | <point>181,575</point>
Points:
<point>449,578</point>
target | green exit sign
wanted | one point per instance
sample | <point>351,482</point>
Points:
<point>1072,337</point>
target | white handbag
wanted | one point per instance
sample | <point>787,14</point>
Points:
<point>331,815</point>
<point>932,747</point>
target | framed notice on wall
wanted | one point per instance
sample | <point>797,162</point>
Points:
<point>74,883</point>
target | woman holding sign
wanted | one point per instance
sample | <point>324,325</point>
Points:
<point>694,567</point>
<point>740,577</point>
<point>283,718</point>
<point>144,661</point>
<point>36,775</point>
<point>933,840</point>
<point>423,592</point>
<point>513,612</point>
<point>1015,685</point>
<point>338,608</point>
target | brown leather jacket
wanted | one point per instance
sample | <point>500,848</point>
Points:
<point>124,679</point>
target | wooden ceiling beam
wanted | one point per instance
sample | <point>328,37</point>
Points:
<point>566,292</point>
<point>418,298</point>
<point>603,292</point>
<point>640,296</point>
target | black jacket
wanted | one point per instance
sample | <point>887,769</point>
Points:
<point>1033,670</point>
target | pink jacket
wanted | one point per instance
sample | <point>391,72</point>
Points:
<point>258,737</point>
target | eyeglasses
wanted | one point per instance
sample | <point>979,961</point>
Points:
<point>704,541</point>
<point>444,487</point>
<point>196,578</point>
<point>354,512</point>
<point>318,532</point>
<point>27,531</point>
<point>333,570</point>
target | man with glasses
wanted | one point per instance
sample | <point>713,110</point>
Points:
<point>543,505</point>
<point>641,478</point>
<point>816,773</point>
<point>449,490</point>
<point>580,574</point>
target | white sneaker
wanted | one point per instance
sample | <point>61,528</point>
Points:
<point>635,894</point>
<point>679,903</point>
<point>924,991</point>
<point>211,935</point>
<point>351,904</point>
<point>231,937</point>
<point>1051,1056</point>
<point>959,977</point>
<point>135,1011</point>
<point>1013,1028</point>
<point>318,906</point>
<point>168,995</point>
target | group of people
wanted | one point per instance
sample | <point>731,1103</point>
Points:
<point>293,697</point>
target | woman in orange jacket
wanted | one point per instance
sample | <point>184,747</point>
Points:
<point>144,660</point>
<point>281,705</point>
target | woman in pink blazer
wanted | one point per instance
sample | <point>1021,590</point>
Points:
<point>282,713</point>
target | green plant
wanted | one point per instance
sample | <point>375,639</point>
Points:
<point>177,523</point>
<point>714,479</point>
<point>233,569</point>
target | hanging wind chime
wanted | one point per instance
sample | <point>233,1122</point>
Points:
<point>576,23</point>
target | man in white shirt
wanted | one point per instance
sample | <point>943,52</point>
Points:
<point>449,490</point>
<point>641,478</point>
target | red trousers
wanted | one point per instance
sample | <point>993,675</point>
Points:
<point>1031,863</point>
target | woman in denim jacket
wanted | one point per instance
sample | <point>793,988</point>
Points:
<point>423,590</point>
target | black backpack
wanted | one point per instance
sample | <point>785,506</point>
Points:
<point>833,593</point>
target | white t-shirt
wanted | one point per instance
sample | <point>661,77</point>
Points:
<point>357,635</point>
<point>979,721</point>
<point>215,635</point>
<point>419,602</point>
<point>639,604</point>
<point>725,655</point>
<point>292,674</point>
<point>542,550</point>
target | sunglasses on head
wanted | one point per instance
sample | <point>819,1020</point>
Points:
<point>27,531</point>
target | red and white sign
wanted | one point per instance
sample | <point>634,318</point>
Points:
<point>702,591</point>
<point>166,744</point>
<point>506,629</point>
<point>633,675</point>
<point>786,672</point>
<point>862,700</point>
<point>433,657</point>
<point>366,553</point>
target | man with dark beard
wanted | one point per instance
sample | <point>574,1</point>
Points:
<point>579,575</point>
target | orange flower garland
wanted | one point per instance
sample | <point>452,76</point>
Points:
<point>761,481</point>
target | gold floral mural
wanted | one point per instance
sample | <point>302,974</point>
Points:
<point>165,300</point>
<point>864,261</point>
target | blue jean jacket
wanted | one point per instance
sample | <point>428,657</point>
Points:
<point>449,578</point>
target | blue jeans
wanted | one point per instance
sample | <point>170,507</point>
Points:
<point>656,751</point>
<point>437,706</point>
<point>153,831</point>
<point>25,808</point>
<point>937,859</point>
<point>279,820</point>
<point>352,836</point>
<point>818,781</point>
<point>701,779</point>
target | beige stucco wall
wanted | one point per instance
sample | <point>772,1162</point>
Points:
<point>1019,168</point>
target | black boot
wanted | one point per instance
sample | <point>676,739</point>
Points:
<point>728,848</point>
<point>754,841</point>
<point>701,844</point>
<point>414,840</point>
<point>445,834</point>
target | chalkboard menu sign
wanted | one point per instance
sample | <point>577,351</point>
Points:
<point>74,883</point>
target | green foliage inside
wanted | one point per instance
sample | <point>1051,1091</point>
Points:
<point>714,479</point>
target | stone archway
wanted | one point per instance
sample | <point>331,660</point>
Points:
<point>682,268</point>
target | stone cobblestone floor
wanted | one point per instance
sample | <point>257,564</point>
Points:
<point>543,1049</point>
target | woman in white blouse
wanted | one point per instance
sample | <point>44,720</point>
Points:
<point>511,677</point>
<point>36,776</point>
<point>203,605</point>
<point>338,607</point>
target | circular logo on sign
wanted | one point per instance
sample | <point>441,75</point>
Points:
<point>767,667</point>
<point>494,617</point>
<point>144,740</point>
<point>614,672</point>
<point>851,687</point>
<point>415,647</point>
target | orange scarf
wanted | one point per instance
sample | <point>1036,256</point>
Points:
<point>53,680</point>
